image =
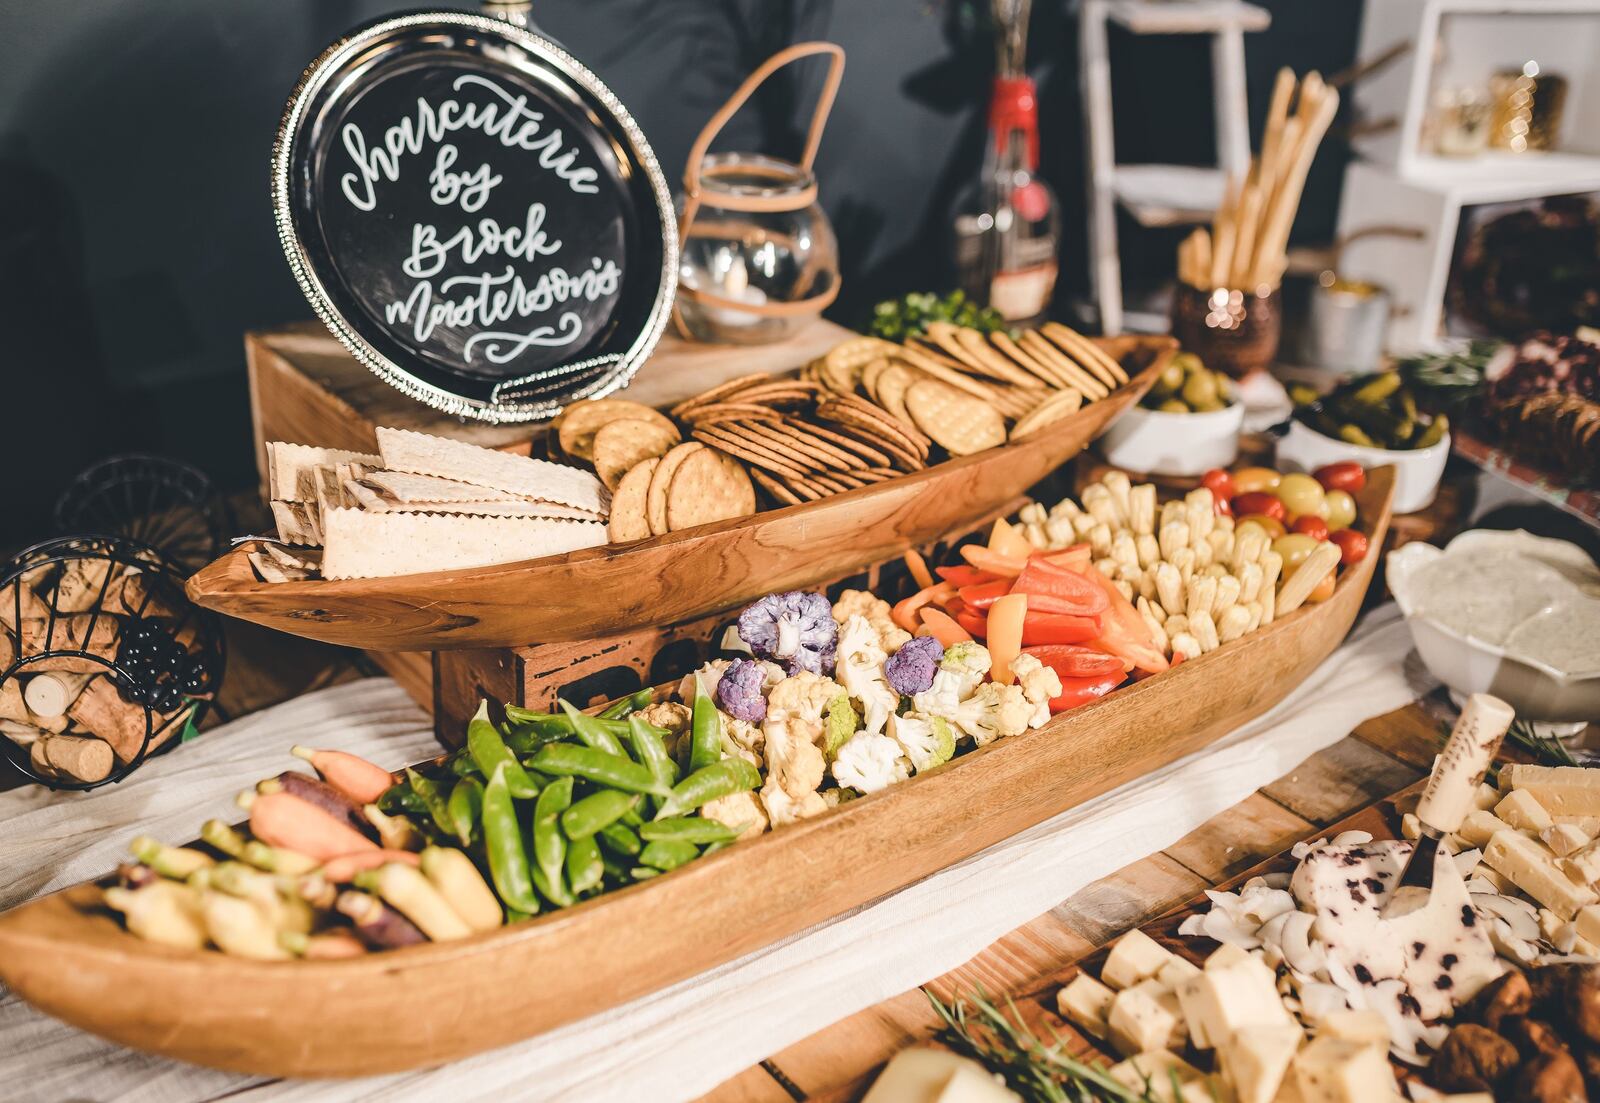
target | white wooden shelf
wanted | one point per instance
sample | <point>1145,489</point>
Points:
<point>1169,195</point>
<point>1187,16</point>
<point>1500,177</point>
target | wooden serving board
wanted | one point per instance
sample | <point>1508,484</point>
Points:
<point>674,577</point>
<point>67,956</point>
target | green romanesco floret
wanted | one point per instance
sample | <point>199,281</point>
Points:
<point>968,662</point>
<point>842,722</point>
<point>928,741</point>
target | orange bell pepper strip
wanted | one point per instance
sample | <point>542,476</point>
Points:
<point>904,612</point>
<point>1004,635</point>
<point>942,627</point>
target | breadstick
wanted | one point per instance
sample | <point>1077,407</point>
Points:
<point>1287,202</point>
<point>1245,242</point>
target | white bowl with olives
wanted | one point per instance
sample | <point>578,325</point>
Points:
<point>1186,424</point>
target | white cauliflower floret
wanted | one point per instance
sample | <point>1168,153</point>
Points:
<point>707,676</point>
<point>804,694</point>
<point>1040,684</point>
<point>669,716</point>
<point>870,762</point>
<point>879,614</point>
<point>993,711</point>
<point>968,662</point>
<point>742,739</point>
<point>927,740</point>
<point>795,766</point>
<point>783,808</point>
<point>860,669</point>
<point>738,811</point>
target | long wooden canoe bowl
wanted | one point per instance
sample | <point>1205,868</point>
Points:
<point>440,1002</point>
<point>675,577</point>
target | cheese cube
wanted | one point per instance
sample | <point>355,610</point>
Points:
<point>1332,1070</point>
<point>1587,923</point>
<point>1522,810</point>
<point>1219,1002</point>
<point>1144,1017</point>
<point>1175,971</point>
<point>1225,955</point>
<point>1366,1027</point>
<point>936,1076</point>
<point>1255,1061</point>
<point>1085,1003</point>
<point>1564,839</point>
<point>1155,1068</point>
<point>1567,800</point>
<point>1479,827</point>
<point>1551,925</point>
<point>1135,957</point>
<point>1531,866</point>
<point>1583,864</point>
<point>971,1083</point>
<point>1485,796</point>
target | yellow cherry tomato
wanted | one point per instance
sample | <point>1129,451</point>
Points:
<point>1341,509</point>
<point>1323,590</point>
<point>1294,548</point>
<point>1300,494</point>
<point>1248,480</point>
<point>1269,525</point>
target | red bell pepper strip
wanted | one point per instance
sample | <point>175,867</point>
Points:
<point>1047,628</point>
<point>905,612</point>
<point>985,594</point>
<point>993,562</point>
<point>1125,633</point>
<point>1080,691</point>
<point>961,575</point>
<point>1071,661</point>
<point>1054,589</point>
<point>975,623</point>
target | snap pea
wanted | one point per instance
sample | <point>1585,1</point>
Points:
<point>515,916</point>
<point>490,752</point>
<point>549,848</point>
<point>621,840</point>
<point>462,765</point>
<point>644,873</point>
<point>651,750</point>
<point>628,705</point>
<point>705,745</point>
<point>433,801</point>
<point>525,740</point>
<point>553,889</point>
<point>584,868</point>
<point>508,858</point>
<point>613,770</point>
<point>612,867</point>
<point>557,724</point>
<point>688,829</point>
<point>591,731</point>
<point>400,797</point>
<point>665,854</point>
<point>596,811</point>
<point>466,808</point>
<point>720,779</point>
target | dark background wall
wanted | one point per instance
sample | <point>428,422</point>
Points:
<point>136,243</point>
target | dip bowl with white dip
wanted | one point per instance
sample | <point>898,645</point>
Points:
<point>1507,613</point>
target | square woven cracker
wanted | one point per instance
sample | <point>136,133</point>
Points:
<point>404,450</point>
<point>378,545</point>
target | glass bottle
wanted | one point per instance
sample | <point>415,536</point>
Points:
<point>1008,227</point>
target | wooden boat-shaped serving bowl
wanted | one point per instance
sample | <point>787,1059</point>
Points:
<point>439,1002</point>
<point>678,576</point>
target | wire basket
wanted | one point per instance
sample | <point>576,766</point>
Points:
<point>154,500</point>
<point>103,661</point>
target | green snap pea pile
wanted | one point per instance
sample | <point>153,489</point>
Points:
<point>562,806</point>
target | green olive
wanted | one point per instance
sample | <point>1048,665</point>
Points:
<point>1174,406</point>
<point>1170,379</point>
<point>1200,389</point>
<point>1209,407</point>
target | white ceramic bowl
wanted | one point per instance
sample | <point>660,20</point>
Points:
<point>1470,665</point>
<point>1154,442</point>
<point>1416,470</point>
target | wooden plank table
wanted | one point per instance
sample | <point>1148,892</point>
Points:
<point>1381,756</point>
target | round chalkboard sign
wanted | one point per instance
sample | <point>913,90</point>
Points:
<point>474,215</point>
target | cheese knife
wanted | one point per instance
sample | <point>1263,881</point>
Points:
<point>1448,795</point>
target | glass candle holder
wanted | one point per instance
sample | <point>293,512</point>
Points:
<point>1231,330</point>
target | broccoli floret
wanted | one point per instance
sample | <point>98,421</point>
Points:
<point>911,669</point>
<point>842,724</point>
<point>795,629</point>
<point>739,690</point>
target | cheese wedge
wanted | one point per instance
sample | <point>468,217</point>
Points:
<point>1583,864</point>
<point>1564,839</point>
<point>1479,827</point>
<point>1135,957</point>
<point>1532,867</point>
<point>1522,810</point>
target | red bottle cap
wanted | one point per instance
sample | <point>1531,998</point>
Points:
<point>1015,106</point>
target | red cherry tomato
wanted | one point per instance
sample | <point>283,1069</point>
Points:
<point>1260,502</point>
<point>1220,483</point>
<point>1311,525</point>
<point>1352,545</point>
<point>1348,476</point>
<point>1224,508</point>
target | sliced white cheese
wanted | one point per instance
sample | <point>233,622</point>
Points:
<point>1522,810</point>
<point>1086,1003</point>
<point>1135,957</point>
<point>1531,866</point>
<point>1479,827</point>
<point>1332,1070</point>
<point>1256,1060</point>
<point>1144,1017</point>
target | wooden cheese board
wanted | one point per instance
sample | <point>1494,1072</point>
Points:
<point>677,576</point>
<point>69,957</point>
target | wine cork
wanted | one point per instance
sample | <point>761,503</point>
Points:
<point>78,756</point>
<point>50,694</point>
<point>101,710</point>
<point>1467,755</point>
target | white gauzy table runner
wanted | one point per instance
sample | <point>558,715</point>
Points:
<point>684,1040</point>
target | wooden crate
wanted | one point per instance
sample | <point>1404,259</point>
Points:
<point>306,389</point>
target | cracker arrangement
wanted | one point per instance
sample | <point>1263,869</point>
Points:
<point>422,503</point>
<point>867,411</point>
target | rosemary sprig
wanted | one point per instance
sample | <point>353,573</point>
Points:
<point>1547,749</point>
<point>1039,1072</point>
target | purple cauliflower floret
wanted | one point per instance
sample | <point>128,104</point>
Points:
<point>795,630</point>
<point>739,691</point>
<point>911,668</point>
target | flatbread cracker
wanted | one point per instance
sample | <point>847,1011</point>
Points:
<point>1075,376</point>
<point>404,450</point>
<point>656,497</point>
<point>1086,352</point>
<point>753,452</point>
<point>720,392</point>
<point>1029,363</point>
<point>579,422</point>
<point>708,486</point>
<point>927,364</point>
<point>777,489</point>
<point>297,523</point>
<point>380,545</point>
<point>893,383</point>
<point>842,366</point>
<point>957,421</point>
<point>1051,410</point>
<point>290,468</point>
<point>620,445</point>
<point>403,486</point>
<point>628,521</point>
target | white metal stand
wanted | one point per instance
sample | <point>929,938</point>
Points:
<point>1158,195</point>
